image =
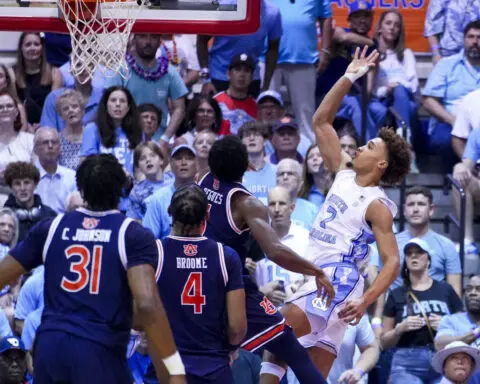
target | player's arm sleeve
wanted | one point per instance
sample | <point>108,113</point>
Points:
<point>364,335</point>
<point>27,300</point>
<point>140,246</point>
<point>29,252</point>
<point>446,327</point>
<point>5,329</point>
<point>151,220</point>
<point>234,269</point>
<point>90,141</point>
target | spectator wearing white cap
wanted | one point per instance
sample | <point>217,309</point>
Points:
<point>457,362</point>
<point>184,166</point>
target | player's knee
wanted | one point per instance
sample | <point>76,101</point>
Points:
<point>296,319</point>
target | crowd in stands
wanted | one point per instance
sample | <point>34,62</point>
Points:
<point>183,92</point>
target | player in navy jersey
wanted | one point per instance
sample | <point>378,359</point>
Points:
<point>235,215</point>
<point>201,287</point>
<point>97,263</point>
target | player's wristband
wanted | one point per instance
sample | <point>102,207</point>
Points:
<point>355,76</point>
<point>359,370</point>
<point>174,364</point>
<point>377,322</point>
<point>476,333</point>
<point>165,137</point>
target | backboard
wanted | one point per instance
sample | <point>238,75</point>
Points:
<point>209,17</point>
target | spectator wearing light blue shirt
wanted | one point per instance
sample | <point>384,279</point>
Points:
<point>29,299</point>
<point>184,166</point>
<point>215,63</point>
<point>263,177</point>
<point>92,94</point>
<point>298,54</point>
<point>289,175</point>
<point>56,183</point>
<point>450,80</point>
<point>32,322</point>
<point>153,80</point>
<point>66,78</point>
<point>5,329</point>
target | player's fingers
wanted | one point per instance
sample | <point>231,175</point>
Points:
<point>364,51</point>
<point>373,55</point>
<point>357,53</point>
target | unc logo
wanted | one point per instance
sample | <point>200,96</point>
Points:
<point>320,303</point>
<point>268,307</point>
<point>216,184</point>
<point>13,342</point>
<point>190,250</point>
<point>90,223</point>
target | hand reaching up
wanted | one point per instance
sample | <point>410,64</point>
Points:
<point>361,63</point>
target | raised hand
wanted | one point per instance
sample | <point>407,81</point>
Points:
<point>361,63</point>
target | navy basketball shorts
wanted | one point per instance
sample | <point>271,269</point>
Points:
<point>62,357</point>
<point>265,323</point>
<point>224,376</point>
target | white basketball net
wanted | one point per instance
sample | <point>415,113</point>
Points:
<point>99,35</point>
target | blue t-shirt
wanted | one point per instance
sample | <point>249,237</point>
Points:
<point>140,192</point>
<point>30,326</point>
<point>156,216</point>
<point>138,365</point>
<point>299,22</point>
<point>31,296</point>
<point>445,258</point>
<point>261,181</point>
<point>316,197</point>
<point>472,148</point>
<point>86,256</point>
<point>225,47</point>
<point>5,329</point>
<point>304,213</point>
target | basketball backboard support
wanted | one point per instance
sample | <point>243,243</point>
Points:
<point>208,17</point>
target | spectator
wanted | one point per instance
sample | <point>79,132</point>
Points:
<point>181,51</point>
<point>150,160</point>
<point>449,81</point>
<point>444,25</point>
<point>237,106</point>
<point>462,326</point>
<point>5,329</point>
<point>445,261</point>
<point>7,84</point>
<point>71,109</point>
<point>275,282</point>
<point>289,175</point>
<point>16,145</point>
<point>203,113</point>
<point>345,369</point>
<point>299,60</point>
<point>261,176</point>
<point>117,128</point>
<point>467,119</point>
<point>154,81</point>
<point>214,64</point>
<point>396,82</point>
<point>90,100</point>
<point>23,179</point>
<point>184,166</point>
<point>457,362</point>
<point>348,138</point>
<point>8,231</point>
<point>32,322</point>
<point>467,173</point>
<point>344,43</point>
<point>33,75</point>
<point>412,314</point>
<point>316,178</point>
<point>13,363</point>
<point>202,144</point>
<point>150,117</point>
<point>57,182</point>
<point>285,141</point>
<point>29,299</point>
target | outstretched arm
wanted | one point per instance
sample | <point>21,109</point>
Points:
<point>256,216</point>
<point>327,140</point>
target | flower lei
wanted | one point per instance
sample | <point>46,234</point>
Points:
<point>146,74</point>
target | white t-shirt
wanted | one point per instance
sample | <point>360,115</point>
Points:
<point>186,46</point>
<point>467,115</point>
<point>20,149</point>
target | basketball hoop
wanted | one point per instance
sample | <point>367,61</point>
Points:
<point>100,30</point>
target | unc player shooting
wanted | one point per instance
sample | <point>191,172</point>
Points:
<point>235,216</point>
<point>356,213</point>
<point>98,263</point>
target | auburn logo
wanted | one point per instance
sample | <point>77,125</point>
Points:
<point>90,223</point>
<point>190,249</point>
<point>268,306</point>
<point>216,184</point>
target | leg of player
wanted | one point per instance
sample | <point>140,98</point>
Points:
<point>286,350</point>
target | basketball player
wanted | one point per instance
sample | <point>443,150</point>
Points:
<point>356,213</point>
<point>97,263</point>
<point>235,215</point>
<point>201,286</point>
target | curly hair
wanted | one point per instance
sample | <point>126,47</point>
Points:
<point>20,170</point>
<point>399,156</point>
<point>228,159</point>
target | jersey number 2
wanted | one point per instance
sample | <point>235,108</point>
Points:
<point>192,292</point>
<point>84,276</point>
<point>332,214</point>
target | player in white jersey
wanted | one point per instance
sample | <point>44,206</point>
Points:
<point>356,213</point>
